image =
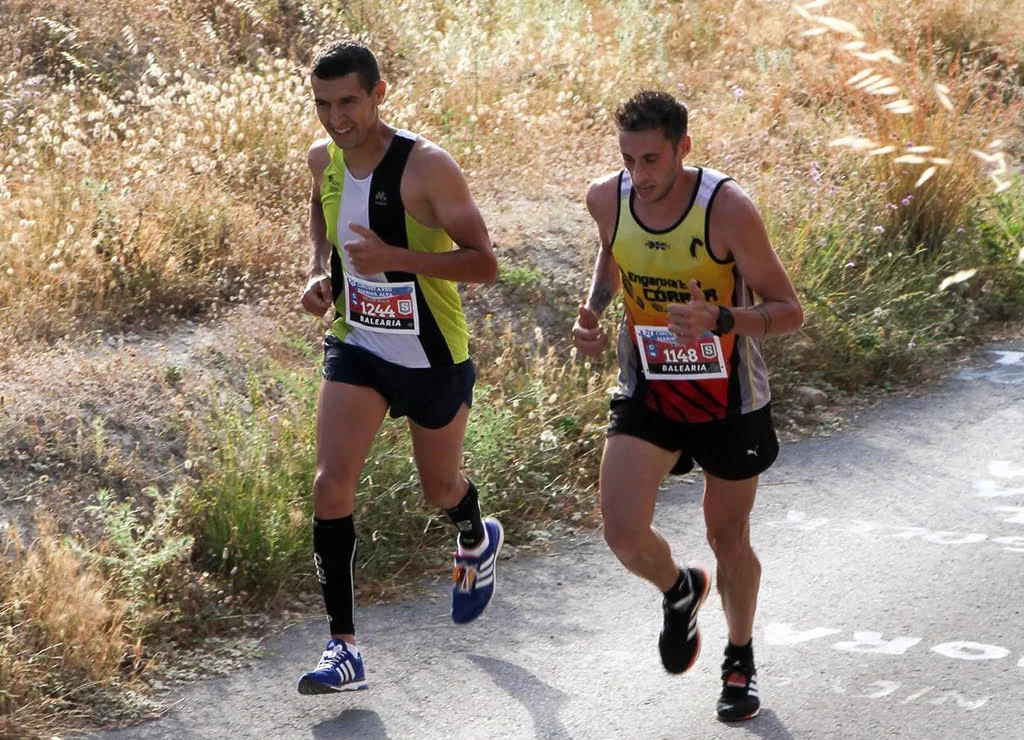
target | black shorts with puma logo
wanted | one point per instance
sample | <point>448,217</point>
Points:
<point>734,448</point>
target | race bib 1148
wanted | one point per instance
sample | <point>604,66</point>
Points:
<point>665,359</point>
<point>383,307</point>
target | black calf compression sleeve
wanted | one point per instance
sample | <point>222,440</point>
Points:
<point>334,553</point>
<point>465,515</point>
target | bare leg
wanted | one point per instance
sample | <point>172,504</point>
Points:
<point>631,472</point>
<point>438,454</point>
<point>348,417</point>
<point>727,506</point>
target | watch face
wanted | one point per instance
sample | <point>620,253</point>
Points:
<point>725,321</point>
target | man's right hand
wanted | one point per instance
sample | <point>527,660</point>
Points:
<point>317,298</point>
<point>587,334</point>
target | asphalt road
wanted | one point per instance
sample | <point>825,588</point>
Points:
<point>892,606</point>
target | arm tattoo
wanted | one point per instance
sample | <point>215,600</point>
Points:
<point>600,297</point>
<point>766,316</point>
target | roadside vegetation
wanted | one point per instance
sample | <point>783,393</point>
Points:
<point>152,172</point>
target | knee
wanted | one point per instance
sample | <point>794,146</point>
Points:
<point>729,543</point>
<point>333,496</point>
<point>622,538</point>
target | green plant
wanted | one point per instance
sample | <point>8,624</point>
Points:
<point>138,546</point>
<point>521,276</point>
<point>251,504</point>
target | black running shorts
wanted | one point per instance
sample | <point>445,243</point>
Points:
<point>733,448</point>
<point>430,396</point>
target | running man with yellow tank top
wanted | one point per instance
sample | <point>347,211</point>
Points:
<point>702,286</point>
<point>394,228</point>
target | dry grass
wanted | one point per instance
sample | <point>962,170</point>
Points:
<point>141,184</point>
<point>162,202</point>
<point>917,125</point>
<point>61,630</point>
<point>152,166</point>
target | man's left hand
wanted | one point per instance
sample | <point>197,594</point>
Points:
<point>688,321</point>
<point>370,254</point>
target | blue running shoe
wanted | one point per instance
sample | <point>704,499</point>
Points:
<point>338,670</point>
<point>475,576</point>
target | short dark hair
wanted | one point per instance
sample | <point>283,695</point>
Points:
<point>345,57</point>
<point>653,109</point>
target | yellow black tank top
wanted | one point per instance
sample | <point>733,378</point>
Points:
<point>656,267</point>
<point>376,202</point>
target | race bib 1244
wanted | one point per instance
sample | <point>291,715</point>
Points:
<point>383,307</point>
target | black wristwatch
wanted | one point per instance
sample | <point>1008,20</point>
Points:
<point>725,322</point>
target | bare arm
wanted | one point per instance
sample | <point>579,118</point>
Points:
<point>604,283</point>
<point>458,215</point>
<point>439,189</point>
<point>737,230</point>
<point>318,159</point>
<point>317,298</point>
<point>602,203</point>
<point>587,334</point>
<point>739,227</point>
<point>321,257</point>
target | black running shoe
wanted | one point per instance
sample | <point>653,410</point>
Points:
<point>679,641</point>
<point>739,699</point>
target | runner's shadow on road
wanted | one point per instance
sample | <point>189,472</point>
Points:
<point>363,724</point>
<point>766,725</point>
<point>541,700</point>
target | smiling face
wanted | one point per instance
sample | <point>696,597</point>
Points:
<point>653,161</point>
<point>346,110</point>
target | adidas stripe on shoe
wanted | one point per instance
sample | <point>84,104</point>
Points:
<point>679,641</point>
<point>740,699</point>
<point>339,669</point>
<point>476,576</point>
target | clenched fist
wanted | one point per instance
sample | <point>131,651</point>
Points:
<point>317,298</point>
<point>587,334</point>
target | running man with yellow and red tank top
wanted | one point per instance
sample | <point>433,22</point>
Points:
<point>701,286</point>
<point>655,267</point>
